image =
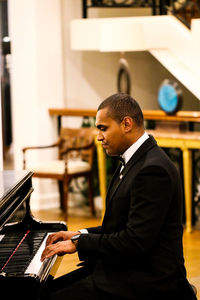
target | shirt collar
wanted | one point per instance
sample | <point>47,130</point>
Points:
<point>134,147</point>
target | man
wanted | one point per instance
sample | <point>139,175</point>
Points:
<point>137,252</point>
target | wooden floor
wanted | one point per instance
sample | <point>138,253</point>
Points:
<point>191,242</point>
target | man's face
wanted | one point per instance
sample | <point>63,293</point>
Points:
<point>110,133</point>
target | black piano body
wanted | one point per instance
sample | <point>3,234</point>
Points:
<point>22,239</point>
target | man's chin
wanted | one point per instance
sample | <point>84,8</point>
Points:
<point>110,153</point>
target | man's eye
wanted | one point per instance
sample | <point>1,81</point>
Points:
<point>102,128</point>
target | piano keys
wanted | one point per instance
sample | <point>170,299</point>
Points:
<point>22,238</point>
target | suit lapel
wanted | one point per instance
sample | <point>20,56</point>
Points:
<point>113,180</point>
<point>146,146</point>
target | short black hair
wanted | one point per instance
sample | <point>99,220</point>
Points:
<point>121,105</point>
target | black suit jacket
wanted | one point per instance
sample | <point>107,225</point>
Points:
<point>137,252</point>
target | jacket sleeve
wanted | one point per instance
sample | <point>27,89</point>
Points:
<point>96,230</point>
<point>151,195</point>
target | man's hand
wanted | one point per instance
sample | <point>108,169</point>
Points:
<point>59,243</point>
<point>60,236</point>
<point>59,248</point>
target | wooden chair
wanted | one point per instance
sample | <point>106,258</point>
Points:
<point>75,159</point>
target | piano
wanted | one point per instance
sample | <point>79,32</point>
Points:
<point>22,239</point>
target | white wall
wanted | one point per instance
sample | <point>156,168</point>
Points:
<point>36,81</point>
<point>91,76</point>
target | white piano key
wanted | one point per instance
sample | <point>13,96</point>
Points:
<point>36,266</point>
<point>1,237</point>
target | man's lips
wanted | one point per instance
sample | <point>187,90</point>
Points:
<point>104,145</point>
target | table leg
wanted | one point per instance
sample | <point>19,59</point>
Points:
<point>102,173</point>
<point>187,170</point>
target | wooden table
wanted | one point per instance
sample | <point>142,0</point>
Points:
<point>184,141</point>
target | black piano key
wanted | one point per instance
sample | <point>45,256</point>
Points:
<point>21,257</point>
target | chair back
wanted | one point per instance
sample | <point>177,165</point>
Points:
<point>72,140</point>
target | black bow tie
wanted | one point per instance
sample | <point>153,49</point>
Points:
<point>121,160</point>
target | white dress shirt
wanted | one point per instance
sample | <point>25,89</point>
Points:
<point>133,148</point>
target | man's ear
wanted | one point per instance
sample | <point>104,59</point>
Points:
<point>127,124</point>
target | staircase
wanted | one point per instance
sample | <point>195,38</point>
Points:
<point>175,46</point>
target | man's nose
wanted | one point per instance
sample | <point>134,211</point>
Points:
<point>99,136</point>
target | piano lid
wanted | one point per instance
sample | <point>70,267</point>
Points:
<point>9,180</point>
<point>13,185</point>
